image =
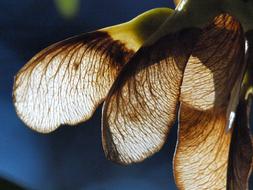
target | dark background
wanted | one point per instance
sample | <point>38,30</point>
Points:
<point>71,157</point>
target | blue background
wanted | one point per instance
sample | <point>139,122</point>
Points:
<point>71,157</point>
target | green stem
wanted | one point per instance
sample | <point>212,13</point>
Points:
<point>188,14</point>
<point>197,13</point>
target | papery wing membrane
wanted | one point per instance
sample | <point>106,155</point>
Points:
<point>141,106</point>
<point>64,83</point>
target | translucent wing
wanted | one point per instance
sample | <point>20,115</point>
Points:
<point>214,65</point>
<point>64,83</point>
<point>141,106</point>
<point>201,158</point>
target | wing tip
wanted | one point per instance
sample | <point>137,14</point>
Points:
<point>114,157</point>
<point>46,129</point>
<point>111,153</point>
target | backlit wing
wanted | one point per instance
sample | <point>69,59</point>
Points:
<point>201,158</point>
<point>214,65</point>
<point>64,83</point>
<point>141,105</point>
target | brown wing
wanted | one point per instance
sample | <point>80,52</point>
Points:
<point>214,65</point>
<point>64,83</point>
<point>201,158</point>
<point>141,106</point>
<point>241,149</point>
